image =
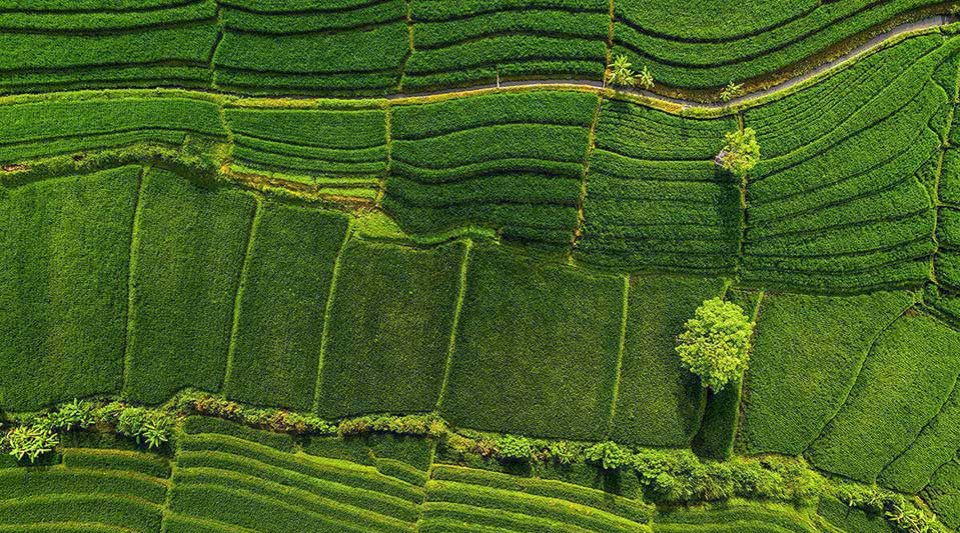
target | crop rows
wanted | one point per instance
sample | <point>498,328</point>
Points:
<point>376,47</point>
<point>159,42</point>
<point>465,499</point>
<point>316,143</point>
<point>805,360</point>
<point>296,47</point>
<point>472,42</point>
<point>654,198</point>
<point>47,128</point>
<point>735,518</point>
<point>943,493</point>
<point>837,204</point>
<point>94,490</point>
<point>511,161</point>
<point>710,55</point>
<point>227,481</point>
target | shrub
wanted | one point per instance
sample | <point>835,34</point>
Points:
<point>30,441</point>
<point>620,72</point>
<point>740,153</point>
<point>146,426</point>
<point>76,414</point>
<point>731,91</point>
<point>513,448</point>
<point>715,343</point>
<point>608,455</point>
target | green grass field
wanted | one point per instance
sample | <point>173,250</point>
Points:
<point>422,265</point>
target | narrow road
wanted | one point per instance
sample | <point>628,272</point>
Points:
<point>877,42</point>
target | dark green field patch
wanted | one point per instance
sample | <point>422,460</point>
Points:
<point>188,255</point>
<point>390,326</point>
<point>905,381</point>
<point>536,348</point>
<point>64,251</point>
<point>806,356</point>
<point>659,403</point>
<point>281,311</point>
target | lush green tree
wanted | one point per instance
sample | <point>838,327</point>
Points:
<point>740,153</point>
<point>30,441</point>
<point>514,448</point>
<point>715,343</point>
<point>620,72</point>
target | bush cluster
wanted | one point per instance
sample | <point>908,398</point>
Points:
<point>272,419</point>
<point>38,435</point>
<point>901,513</point>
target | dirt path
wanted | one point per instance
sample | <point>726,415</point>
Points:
<point>865,48</point>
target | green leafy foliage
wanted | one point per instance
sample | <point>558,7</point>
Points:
<point>715,343</point>
<point>30,442</point>
<point>740,151</point>
<point>620,72</point>
<point>608,455</point>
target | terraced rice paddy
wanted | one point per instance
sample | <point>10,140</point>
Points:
<point>414,265</point>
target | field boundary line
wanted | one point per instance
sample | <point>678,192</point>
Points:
<point>327,308</point>
<point>856,377</point>
<point>457,310</point>
<point>411,45</point>
<point>621,348</point>
<point>132,264</point>
<point>582,197</point>
<point>944,147</point>
<point>241,285</point>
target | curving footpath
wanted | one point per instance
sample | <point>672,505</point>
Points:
<point>875,44</point>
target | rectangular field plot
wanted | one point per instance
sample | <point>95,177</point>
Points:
<point>228,478</point>
<point>536,350</point>
<point>347,47</point>
<point>283,294</point>
<point>659,403</point>
<point>467,499</point>
<point>137,44</point>
<point>472,42</point>
<point>513,162</point>
<point>48,128</point>
<point>836,204</point>
<point>345,144</point>
<point>807,352</point>
<point>390,327</point>
<point>655,199</point>
<point>905,382</point>
<point>64,251</point>
<point>188,254</point>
